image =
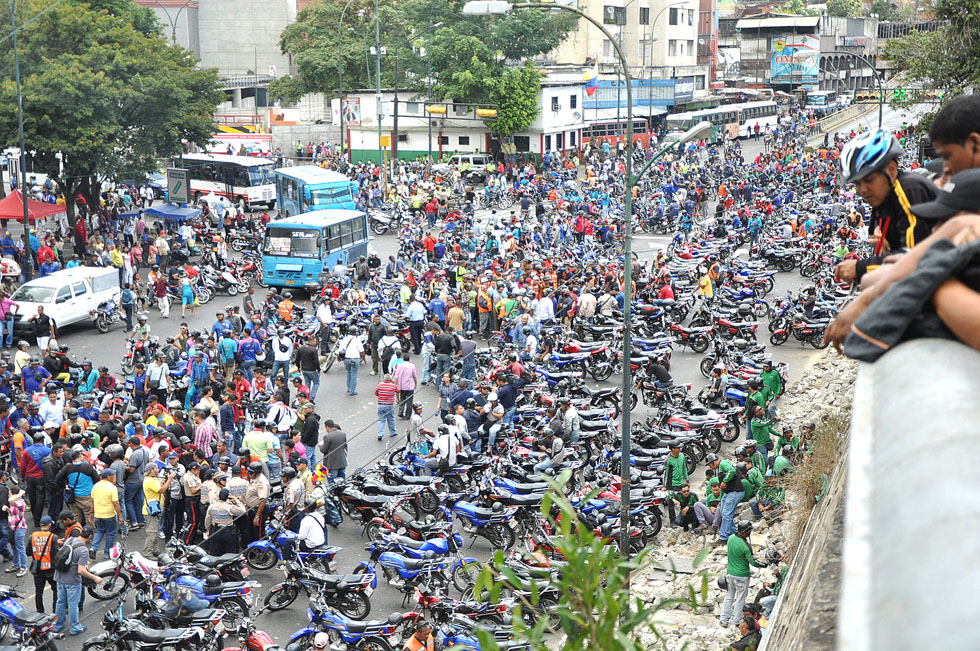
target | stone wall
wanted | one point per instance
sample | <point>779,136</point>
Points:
<point>804,615</point>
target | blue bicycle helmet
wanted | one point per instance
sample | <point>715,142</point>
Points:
<point>869,153</point>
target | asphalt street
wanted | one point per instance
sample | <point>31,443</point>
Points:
<point>357,416</point>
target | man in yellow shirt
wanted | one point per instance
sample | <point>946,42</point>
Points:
<point>159,418</point>
<point>153,491</point>
<point>116,258</point>
<point>108,515</point>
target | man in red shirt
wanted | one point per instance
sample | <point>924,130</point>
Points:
<point>666,293</point>
<point>387,393</point>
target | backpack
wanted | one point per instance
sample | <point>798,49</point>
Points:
<point>63,559</point>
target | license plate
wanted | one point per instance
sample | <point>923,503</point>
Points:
<point>249,599</point>
<point>368,591</point>
<point>290,282</point>
<point>246,571</point>
<point>219,628</point>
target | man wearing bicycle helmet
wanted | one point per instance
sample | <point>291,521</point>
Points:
<point>871,163</point>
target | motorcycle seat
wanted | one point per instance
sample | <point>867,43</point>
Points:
<point>28,618</point>
<point>567,356</point>
<point>418,563</point>
<point>818,323</point>
<point>333,580</point>
<point>201,616</point>
<point>361,627</point>
<point>373,488</point>
<point>565,374</point>
<point>484,514</point>
<point>230,586</point>
<point>154,637</point>
<point>405,541</point>
<point>587,414</point>
<point>218,561</point>
<point>529,499</point>
<point>372,500</point>
<point>594,424</point>
<point>590,345</point>
<point>534,487</point>
<point>412,480</point>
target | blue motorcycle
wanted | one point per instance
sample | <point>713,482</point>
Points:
<point>263,554</point>
<point>345,633</point>
<point>33,630</point>
<point>497,524</point>
<point>234,597</point>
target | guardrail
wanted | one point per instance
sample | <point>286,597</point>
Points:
<point>911,554</point>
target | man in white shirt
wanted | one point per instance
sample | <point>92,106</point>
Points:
<point>544,312</point>
<point>325,316</point>
<point>281,417</point>
<point>52,408</point>
<point>352,350</point>
<point>312,530</point>
<point>282,352</point>
<point>444,450</point>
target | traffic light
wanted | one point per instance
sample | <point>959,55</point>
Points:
<point>486,113</point>
<point>436,109</point>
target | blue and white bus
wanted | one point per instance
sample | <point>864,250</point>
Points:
<point>305,188</point>
<point>301,250</point>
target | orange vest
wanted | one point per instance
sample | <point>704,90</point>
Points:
<point>41,543</point>
<point>413,644</point>
<point>286,310</point>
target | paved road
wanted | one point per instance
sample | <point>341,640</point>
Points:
<point>357,416</point>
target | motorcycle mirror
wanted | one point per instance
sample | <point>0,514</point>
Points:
<point>401,531</point>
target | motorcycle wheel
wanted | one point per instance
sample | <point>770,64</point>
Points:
<point>110,588</point>
<point>657,524</point>
<point>281,596</point>
<point>98,644</point>
<point>731,431</point>
<point>499,535</point>
<point>204,294</point>
<point>102,324</point>
<point>378,227</point>
<point>637,544</point>
<point>372,643</point>
<point>608,402</point>
<point>548,606</point>
<point>232,290</point>
<point>4,629</point>
<point>238,244</point>
<point>706,365</point>
<point>328,362</point>
<point>243,285</point>
<point>454,484</point>
<point>809,270</point>
<point>779,338</point>
<point>465,575</point>
<point>713,441</point>
<point>355,605</point>
<point>699,343</point>
<point>775,324</point>
<point>690,458</point>
<point>395,457</point>
<point>374,530</point>
<point>260,280</point>
<point>127,365</point>
<point>261,559</point>
<point>428,501</point>
<point>818,342</point>
<point>786,264</point>
<point>770,285</point>
<point>235,611</point>
<point>634,400</point>
<point>601,372</point>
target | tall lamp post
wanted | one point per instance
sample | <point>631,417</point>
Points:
<point>173,20</point>
<point>340,72</point>
<point>20,133</point>
<point>428,90</point>
<point>867,62</point>
<point>494,7</point>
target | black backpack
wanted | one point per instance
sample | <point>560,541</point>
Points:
<point>63,559</point>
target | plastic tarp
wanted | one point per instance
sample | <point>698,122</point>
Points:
<point>12,207</point>
<point>172,211</point>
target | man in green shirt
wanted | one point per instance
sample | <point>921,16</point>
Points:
<point>675,475</point>
<point>772,379</point>
<point>787,438</point>
<point>739,559</point>
<point>751,451</point>
<point>709,510</point>
<point>687,515</point>
<point>782,464</point>
<point>731,489</point>
<point>754,481</point>
<point>758,395</point>
<point>762,432</point>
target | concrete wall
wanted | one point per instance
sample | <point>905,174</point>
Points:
<point>240,35</point>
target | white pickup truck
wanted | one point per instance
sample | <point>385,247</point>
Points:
<point>67,296</point>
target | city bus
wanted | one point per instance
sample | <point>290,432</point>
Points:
<point>305,188</point>
<point>301,250</point>
<point>763,113</point>
<point>723,119</point>
<point>822,102</point>
<point>245,180</point>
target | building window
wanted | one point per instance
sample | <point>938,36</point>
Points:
<point>402,137</point>
<point>573,101</point>
<point>464,140</point>
<point>443,140</point>
<point>412,108</point>
<point>607,48</point>
<point>644,15</point>
<point>674,13</point>
<point>690,16</point>
<point>547,143</point>
<point>699,83</point>
<point>690,47</point>
<point>522,143</point>
<point>573,139</point>
<point>554,104</point>
<point>672,48</point>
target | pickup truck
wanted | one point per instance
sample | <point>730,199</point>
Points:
<point>67,296</point>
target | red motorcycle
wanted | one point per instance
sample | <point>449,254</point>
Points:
<point>252,639</point>
<point>598,363</point>
<point>697,338</point>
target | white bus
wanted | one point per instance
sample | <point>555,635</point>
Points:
<point>244,180</point>
<point>751,113</point>
<point>822,101</point>
<point>732,119</point>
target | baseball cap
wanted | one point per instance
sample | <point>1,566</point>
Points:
<point>50,425</point>
<point>108,472</point>
<point>961,193</point>
<point>46,519</point>
<point>173,455</point>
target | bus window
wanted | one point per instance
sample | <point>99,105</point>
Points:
<point>335,240</point>
<point>297,243</point>
<point>331,196</point>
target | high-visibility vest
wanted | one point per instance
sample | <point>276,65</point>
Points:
<point>41,544</point>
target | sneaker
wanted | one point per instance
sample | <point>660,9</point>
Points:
<point>78,631</point>
<point>22,572</point>
<point>374,372</point>
<point>13,568</point>
<point>380,438</point>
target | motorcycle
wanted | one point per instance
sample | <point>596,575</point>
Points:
<point>344,633</point>
<point>123,634</point>
<point>137,351</point>
<point>379,223</point>
<point>265,553</point>
<point>252,639</point>
<point>106,315</point>
<point>348,593</point>
<point>37,629</point>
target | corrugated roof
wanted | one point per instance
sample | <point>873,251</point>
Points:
<point>774,23</point>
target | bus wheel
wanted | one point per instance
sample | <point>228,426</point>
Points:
<point>243,204</point>
<point>197,198</point>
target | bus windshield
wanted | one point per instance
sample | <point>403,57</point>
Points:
<point>292,242</point>
<point>262,175</point>
<point>331,196</point>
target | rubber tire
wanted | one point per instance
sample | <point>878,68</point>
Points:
<point>229,621</point>
<point>260,280</point>
<point>285,595</point>
<point>809,270</point>
<point>463,572</point>
<point>127,365</point>
<point>505,533</point>
<point>103,325</point>
<point>786,264</point>
<point>261,559</point>
<point>601,373</point>
<point>454,484</point>
<point>328,362</point>
<point>372,643</point>
<point>713,442</point>
<point>122,585</point>
<point>706,365</point>
<point>658,522</point>
<point>232,290</point>
<point>818,342</point>
<point>699,343</point>
<point>238,244</point>
<point>428,501</point>
<point>362,607</point>
<point>731,431</point>
<point>778,338</point>
<point>690,459</point>
<point>98,645</point>
<point>611,403</point>
<point>204,295</point>
<point>377,227</point>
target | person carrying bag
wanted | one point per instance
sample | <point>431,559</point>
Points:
<point>43,546</point>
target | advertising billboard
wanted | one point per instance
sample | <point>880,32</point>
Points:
<point>795,59</point>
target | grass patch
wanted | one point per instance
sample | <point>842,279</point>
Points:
<point>807,483</point>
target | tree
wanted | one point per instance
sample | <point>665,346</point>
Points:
<point>111,99</point>
<point>799,8</point>
<point>886,11</point>
<point>844,8</point>
<point>947,59</point>
<point>516,97</point>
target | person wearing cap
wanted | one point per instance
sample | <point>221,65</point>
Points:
<point>256,497</point>
<point>107,511</point>
<point>70,581</point>
<point>173,514</point>
<point>219,522</point>
<point>675,475</point>
<point>738,572</point>
<point>43,547</point>
<point>153,492</point>
<point>192,496</point>
<point>30,469</point>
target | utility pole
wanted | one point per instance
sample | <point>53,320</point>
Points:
<point>394,137</point>
<point>23,149</point>
<point>377,77</point>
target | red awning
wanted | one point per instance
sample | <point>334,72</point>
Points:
<point>12,207</point>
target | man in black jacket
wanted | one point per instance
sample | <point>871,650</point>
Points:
<point>376,331</point>
<point>52,465</point>
<point>311,432</point>
<point>308,361</point>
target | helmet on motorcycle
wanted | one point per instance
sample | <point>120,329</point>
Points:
<point>723,582</point>
<point>743,527</point>
<point>321,641</point>
<point>742,467</point>
<point>72,413</point>
<point>740,451</point>
<point>711,458</point>
<point>288,472</point>
<point>212,581</point>
<point>63,348</point>
<point>787,450</point>
<point>255,468</point>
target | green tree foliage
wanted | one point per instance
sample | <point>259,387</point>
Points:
<point>844,8</point>
<point>887,11</point>
<point>947,59</point>
<point>471,58</point>
<point>516,97</point>
<point>592,608</point>
<point>799,8</point>
<point>110,98</point>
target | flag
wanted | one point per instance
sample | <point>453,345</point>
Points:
<point>591,78</point>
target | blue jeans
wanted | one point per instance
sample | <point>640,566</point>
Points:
<point>20,552</point>
<point>104,528</point>
<point>337,474</point>
<point>312,380</point>
<point>728,503</point>
<point>443,364</point>
<point>134,503</point>
<point>469,371</point>
<point>764,451</point>
<point>543,465</point>
<point>426,365</point>
<point>280,365</point>
<point>351,366</point>
<point>311,456</point>
<point>7,326</point>
<point>67,608</point>
<point>4,535</point>
<point>248,369</point>
<point>386,414</point>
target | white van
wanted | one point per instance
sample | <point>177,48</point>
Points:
<point>67,296</point>
<point>478,164</point>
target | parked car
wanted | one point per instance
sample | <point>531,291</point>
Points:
<point>478,164</point>
<point>67,296</point>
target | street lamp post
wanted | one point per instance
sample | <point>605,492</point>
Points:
<point>340,72</point>
<point>428,90</point>
<point>173,21</point>
<point>881,90</point>
<point>377,78</point>
<point>23,147</point>
<point>490,7</point>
